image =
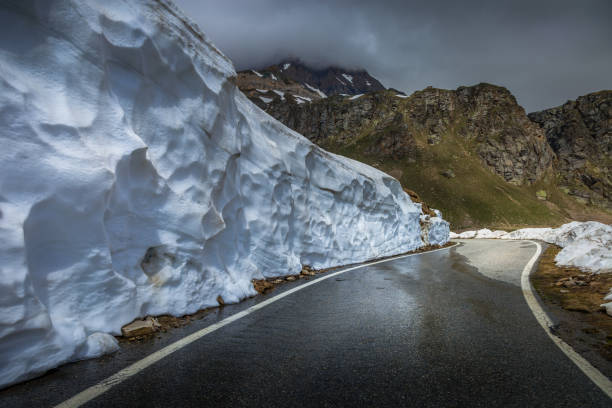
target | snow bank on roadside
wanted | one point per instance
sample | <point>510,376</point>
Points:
<point>586,245</point>
<point>136,179</point>
<point>434,230</point>
<point>480,234</point>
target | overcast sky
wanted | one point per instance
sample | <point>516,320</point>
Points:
<point>545,52</point>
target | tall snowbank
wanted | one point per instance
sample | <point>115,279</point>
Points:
<point>135,179</point>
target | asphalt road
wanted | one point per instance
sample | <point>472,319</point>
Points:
<point>442,329</point>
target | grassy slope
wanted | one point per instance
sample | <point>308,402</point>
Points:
<point>475,197</point>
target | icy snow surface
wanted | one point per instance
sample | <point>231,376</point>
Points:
<point>266,100</point>
<point>136,179</point>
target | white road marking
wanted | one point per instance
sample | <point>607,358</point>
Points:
<point>594,374</point>
<point>117,378</point>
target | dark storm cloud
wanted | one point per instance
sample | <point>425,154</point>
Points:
<point>545,52</point>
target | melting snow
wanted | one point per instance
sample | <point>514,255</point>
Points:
<point>355,96</point>
<point>273,77</point>
<point>262,90</point>
<point>266,100</point>
<point>153,190</point>
<point>585,244</point>
<point>286,65</point>
<point>401,96</point>
<point>348,77</point>
<point>257,73</point>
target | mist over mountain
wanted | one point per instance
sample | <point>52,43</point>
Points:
<point>544,52</point>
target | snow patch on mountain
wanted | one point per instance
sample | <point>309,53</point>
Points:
<point>317,90</point>
<point>301,99</point>
<point>348,77</point>
<point>136,179</point>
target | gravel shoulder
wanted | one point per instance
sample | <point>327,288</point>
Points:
<point>572,298</point>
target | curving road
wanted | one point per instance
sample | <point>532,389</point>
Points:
<point>446,328</point>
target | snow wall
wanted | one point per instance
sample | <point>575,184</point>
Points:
<point>136,179</point>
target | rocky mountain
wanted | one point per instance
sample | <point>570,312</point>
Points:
<point>263,88</point>
<point>322,82</point>
<point>580,133</point>
<point>473,151</point>
<point>507,142</point>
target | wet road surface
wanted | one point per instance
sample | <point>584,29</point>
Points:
<point>447,328</point>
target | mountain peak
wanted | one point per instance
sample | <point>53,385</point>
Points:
<point>331,80</point>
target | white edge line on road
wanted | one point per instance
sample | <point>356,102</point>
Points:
<point>106,384</point>
<point>594,374</point>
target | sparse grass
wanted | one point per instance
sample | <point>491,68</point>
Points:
<point>475,197</point>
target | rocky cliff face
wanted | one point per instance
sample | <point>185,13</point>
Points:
<point>486,116</point>
<point>580,133</point>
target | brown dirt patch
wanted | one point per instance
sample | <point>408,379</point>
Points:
<point>574,298</point>
<point>414,197</point>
